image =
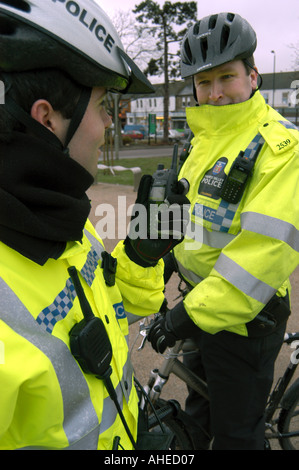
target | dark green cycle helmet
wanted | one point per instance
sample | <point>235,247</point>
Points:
<point>215,40</point>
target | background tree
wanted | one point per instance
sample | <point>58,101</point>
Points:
<point>295,55</point>
<point>141,47</point>
<point>162,22</point>
<point>136,38</point>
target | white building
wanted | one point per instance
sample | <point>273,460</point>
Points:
<point>144,105</point>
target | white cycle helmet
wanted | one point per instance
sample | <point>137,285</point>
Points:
<point>76,37</point>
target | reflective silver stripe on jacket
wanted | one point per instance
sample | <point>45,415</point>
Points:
<point>271,227</point>
<point>80,424</point>
<point>243,280</point>
<point>124,388</point>
<point>213,238</point>
<point>80,418</point>
<point>188,274</point>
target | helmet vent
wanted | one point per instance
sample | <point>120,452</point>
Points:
<point>213,21</point>
<point>17,4</point>
<point>204,48</point>
<point>230,17</point>
<point>196,28</point>
<point>224,38</point>
<point>188,53</point>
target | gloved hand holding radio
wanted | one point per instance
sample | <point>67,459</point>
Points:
<point>171,327</point>
<point>156,227</point>
<point>160,216</point>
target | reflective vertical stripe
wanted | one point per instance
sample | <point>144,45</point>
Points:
<point>63,302</point>
<point>271,227</point>
<point>59,308</point>
<point>98,247</point>
<point>226,211</point>
<point>254,146</point>
<point>243,280</point>
<point>80,418</point>
<point>90,266</point>
<point>288,125</point>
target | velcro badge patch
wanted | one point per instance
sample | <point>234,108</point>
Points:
<point>278,136</point>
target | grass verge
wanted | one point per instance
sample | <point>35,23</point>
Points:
<point>148,167</point>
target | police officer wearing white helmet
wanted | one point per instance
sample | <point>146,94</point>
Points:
<point>66,378</point>
<point>243,171</point>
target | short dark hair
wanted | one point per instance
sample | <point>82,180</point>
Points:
<point>27,87</point>
<point>249,64</point>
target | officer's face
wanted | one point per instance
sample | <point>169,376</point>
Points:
<point>227,84</point>
<point>90,135</point>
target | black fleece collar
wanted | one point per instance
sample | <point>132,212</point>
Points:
<point>43,201</point>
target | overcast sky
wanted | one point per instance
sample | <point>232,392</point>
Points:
<point>276,23</point>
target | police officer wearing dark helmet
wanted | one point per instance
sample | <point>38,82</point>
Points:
<point>243,172</point>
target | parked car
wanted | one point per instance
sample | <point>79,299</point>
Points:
<point>133,134</point>
<point>175,135</point>
<point>135,127</point>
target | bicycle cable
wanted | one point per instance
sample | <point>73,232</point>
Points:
<point>145,395</point>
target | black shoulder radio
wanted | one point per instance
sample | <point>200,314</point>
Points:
<point>236,180</point>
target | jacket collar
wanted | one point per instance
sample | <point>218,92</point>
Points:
<point>223,120</point>
<point>43,198</point>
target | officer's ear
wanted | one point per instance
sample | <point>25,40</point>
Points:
<point>254,77</point>
<point>43,112</point>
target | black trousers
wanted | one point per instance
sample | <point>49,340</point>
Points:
<point>239,372</point>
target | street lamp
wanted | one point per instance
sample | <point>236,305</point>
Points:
<point>274,64</point>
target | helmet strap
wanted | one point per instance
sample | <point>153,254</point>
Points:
<point>78,114</point>
<point>259,75</point>
<point>38,129</point>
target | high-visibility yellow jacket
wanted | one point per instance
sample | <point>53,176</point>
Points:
<point>47,401</point>
<point>245,252</point>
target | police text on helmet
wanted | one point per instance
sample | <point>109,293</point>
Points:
<point>89,22</point>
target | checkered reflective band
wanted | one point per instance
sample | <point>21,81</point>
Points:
<point>63,302</point>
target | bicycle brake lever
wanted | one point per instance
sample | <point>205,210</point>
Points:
<point>143,332</point>
<point>142,342</point>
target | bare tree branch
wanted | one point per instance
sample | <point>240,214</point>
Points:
<point>295,48</point>
<point>138,41</point>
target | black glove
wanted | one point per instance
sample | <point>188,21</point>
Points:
<point>168,329</point>
<point>160,233</point>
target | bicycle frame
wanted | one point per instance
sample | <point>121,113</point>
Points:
<point>172,365</point>
<point>276,396</point>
